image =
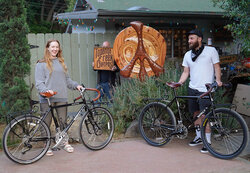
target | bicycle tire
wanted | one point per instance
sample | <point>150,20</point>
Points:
<point>104,125</point>
<point>17,144</point>
<point>150,123</point>
<point>229,133</point>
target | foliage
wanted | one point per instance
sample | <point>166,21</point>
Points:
<point>40,14</point>
<point>129,97</point>
<point>238,12</point>
<point>70,5</point>
<point>15,57</point>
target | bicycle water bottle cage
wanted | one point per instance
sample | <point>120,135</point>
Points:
<point>173,84</point>
<point>47,94</point>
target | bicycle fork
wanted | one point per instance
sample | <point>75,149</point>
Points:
<point>90,121</point>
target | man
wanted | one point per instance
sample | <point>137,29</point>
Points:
<point>201,63</point>
<point>105,76</point>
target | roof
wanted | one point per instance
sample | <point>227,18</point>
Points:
<point>157,5</point>
<point>142,8</point>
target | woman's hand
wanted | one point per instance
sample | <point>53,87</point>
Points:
<point>51,92</point>
<point>79,87</point>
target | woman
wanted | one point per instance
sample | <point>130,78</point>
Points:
<point>51,75</point>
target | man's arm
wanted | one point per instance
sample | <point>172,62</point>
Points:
<point>217,71</point>
<point>184,75</point>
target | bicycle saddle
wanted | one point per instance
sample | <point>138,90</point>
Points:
<point>47,94</point>
<point>173,84</point>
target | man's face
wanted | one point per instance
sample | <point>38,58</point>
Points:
<point>193,41</point>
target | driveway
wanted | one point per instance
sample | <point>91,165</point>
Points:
<point>130,156</point>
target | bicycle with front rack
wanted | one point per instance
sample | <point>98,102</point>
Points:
<point>27,138</point>
<point>229,131</point>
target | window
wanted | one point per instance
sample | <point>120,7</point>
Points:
<point>176,40</point>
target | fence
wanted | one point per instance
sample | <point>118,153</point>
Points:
<point>78,52</point>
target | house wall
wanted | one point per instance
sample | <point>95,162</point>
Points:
<point>116,25</point>
<point>78,52</point>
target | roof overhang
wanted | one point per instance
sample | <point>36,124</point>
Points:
<point>127,14</point>
<point>89,14</point>
<point>157,14</point>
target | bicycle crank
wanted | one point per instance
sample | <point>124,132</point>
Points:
<point>61,139</point>
<point>182,131</point>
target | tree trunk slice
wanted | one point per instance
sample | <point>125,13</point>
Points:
<point>126,46</point>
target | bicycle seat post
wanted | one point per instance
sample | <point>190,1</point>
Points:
<point>48,101</point>
<point>178,105</point>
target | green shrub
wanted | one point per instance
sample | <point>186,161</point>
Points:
<point>129,97</point>
<point>14,57</point>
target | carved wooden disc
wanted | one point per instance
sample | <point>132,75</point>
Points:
<point>125,46</point>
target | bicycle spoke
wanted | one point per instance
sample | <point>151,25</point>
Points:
<point>96,128</point>
<point>152,122</point>
<point>17,143</point>
<point>229,133</point>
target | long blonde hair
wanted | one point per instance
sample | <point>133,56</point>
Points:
<point>47,59</point>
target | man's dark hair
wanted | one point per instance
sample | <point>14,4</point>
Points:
<point>196,32</point>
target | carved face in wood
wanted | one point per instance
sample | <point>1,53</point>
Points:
<point>139,51</point>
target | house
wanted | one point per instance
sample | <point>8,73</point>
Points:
<point>172,18</point>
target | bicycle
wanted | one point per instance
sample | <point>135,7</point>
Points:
<point>229,132</point>
<point>27,138</point>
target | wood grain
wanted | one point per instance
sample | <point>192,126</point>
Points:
<point>125,47</point>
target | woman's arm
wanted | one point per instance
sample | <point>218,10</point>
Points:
<point>40,78</point>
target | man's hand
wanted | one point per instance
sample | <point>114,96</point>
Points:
<point>113,68</point>
<point>219,83</point>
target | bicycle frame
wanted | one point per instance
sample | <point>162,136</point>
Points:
<point>51,109</point>
<point>176,97</point>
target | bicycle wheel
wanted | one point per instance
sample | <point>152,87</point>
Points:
<point>97,128</point>
<point>156,123</point>
<point>26,139</point>
<point>229,133</point>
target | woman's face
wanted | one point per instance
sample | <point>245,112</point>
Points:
<point>53,49</point>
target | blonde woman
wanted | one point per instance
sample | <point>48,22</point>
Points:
<point>51,75</point>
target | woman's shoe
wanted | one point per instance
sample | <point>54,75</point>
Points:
<point>49,153</point>
<point>68,148</point>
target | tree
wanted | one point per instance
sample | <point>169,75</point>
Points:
<point>14,57</point>
<point>238,12</point>
<point>40,14</point>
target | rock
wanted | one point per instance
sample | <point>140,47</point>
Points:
<point>133,130</point>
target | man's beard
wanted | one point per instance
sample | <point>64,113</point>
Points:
<point>194,45</point>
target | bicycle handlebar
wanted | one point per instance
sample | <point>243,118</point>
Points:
<point>214,85</point>
<point>90,89</point>
<point>209,87</point>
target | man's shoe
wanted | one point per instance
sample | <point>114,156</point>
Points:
<point>204,150</point>
<point>195,142</point>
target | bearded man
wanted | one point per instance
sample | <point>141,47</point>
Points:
<point>201,63</point>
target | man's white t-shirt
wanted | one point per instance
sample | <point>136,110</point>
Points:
<point>202,69</point>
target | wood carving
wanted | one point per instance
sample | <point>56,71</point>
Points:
<point>103,58</point>
<point>139,51</point>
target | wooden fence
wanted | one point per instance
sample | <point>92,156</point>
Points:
<point>78,52</point>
